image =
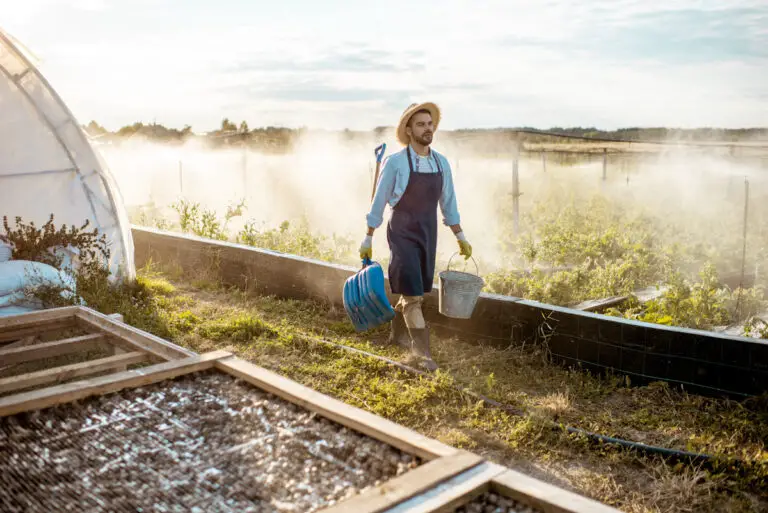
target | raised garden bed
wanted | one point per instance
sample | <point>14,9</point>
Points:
<point>205,441</point>
<point>212,432</point>
<point>490,502</point>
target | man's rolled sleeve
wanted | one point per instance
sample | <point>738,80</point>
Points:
<point>384,190</point>
<point>448,203</point>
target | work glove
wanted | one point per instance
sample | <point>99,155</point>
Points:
<point>465,248</point>
<point>366,248</point>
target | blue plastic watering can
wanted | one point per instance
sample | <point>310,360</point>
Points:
<point>365,293</point>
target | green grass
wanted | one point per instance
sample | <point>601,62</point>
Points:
<point>283,335</point>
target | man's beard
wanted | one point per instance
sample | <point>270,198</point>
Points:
<point>425,139</point>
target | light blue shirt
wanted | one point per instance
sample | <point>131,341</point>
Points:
<point>393,180</point>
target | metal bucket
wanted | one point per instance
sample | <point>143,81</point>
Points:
<point>459,292</point>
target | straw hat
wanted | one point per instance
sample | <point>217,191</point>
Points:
<point>433,109</point>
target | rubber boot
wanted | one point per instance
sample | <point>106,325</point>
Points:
<point>398,333</point>
<point>420,340</point>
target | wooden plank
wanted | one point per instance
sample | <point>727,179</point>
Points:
<point>405,486</point>
<point>34,319</point>
<point>544,496</point>
<point>68,392</point>
<point>455,492</point>
<point>10,335</point>
<point>26,341</point>
<point>67,372</point>
<point>50,349</point>
<point>354,418</point>
<point>131,338</point>
<point>29,326</point>
<point>116,349</point>
<point>14,327</point>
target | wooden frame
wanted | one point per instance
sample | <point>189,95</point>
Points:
<point>128,346</point>
<point>448,478</point>
<point>442,461</point>
<point>546,497</point>
<point>490,477</point>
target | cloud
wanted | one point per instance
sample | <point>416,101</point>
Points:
<point>496,63</point>
<point>333,60</point>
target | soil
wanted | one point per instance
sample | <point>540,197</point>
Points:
<point>205,442</point>
<point>491,502</point>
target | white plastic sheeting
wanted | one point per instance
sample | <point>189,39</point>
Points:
<point>48,166</point>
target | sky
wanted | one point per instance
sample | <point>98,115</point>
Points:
<point>358,64</point>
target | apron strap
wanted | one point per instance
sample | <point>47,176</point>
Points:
<point>437,161</point>
<point>431,154</point>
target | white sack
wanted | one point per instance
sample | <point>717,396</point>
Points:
<point>5,251</point>
<point>17,275</point>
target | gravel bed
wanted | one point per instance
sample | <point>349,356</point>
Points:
<point>200,443</point>
<point>490,502</point>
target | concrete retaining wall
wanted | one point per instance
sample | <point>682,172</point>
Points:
<point>700,361</point>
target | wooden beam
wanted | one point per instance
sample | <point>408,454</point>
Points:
<point>69,392</point>
<point>14,327</point>
<point>403,487</point>
<point>12,335</point>
<point>131,338</point>
<point>26,341</point>
<point>116,349</point>
<point>354,418</point>
<point>545,497</point>
<point>455,492</point>
<point>34,319</point>
<point>67,372</point>
<point>51,349</point>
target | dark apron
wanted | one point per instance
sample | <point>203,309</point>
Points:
<point>412,233</point>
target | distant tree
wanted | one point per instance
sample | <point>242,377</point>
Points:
<point>94,128</point>
<point>228,126</point>
<point>129,130</point>
<point>244,126</point>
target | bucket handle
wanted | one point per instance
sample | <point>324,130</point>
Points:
<point>477,269</point>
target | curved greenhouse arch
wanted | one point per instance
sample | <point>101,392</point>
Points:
<point>47,164</point>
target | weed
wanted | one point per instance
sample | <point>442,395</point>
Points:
<point>242,328</point>
<point>40,244</point>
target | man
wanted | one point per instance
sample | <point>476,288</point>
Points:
<point>414,182</point>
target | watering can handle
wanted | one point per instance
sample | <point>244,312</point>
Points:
<point>477,269</point>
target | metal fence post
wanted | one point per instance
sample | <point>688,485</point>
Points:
<point>516,190</point>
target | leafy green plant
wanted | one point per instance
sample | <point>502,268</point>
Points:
<point>36,244</point>
<point>297,239</point>
<point>757,327</point>
<point>205,222</point>
<point>188,214</point>
<point>694,305</point>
